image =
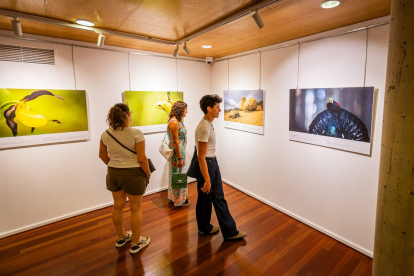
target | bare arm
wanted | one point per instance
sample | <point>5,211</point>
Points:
<point>103,153</point>
<point>202,151</point>
<point>142,157</point>
<point>173,127</point>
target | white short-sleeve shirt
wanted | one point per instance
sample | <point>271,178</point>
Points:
<point>120,157</point>
<point>205,133</point>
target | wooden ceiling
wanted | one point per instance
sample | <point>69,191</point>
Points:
<point>174,19</point>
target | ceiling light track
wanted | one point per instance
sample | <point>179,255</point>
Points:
<point>229,19</point>
<point>58,22</point>
<point>102,32</point>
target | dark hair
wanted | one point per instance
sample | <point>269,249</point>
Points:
<point>177,110</point>
<point>117,116</point>
<point>209,101</point>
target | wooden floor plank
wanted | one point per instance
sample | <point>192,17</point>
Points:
<point>276,244</point>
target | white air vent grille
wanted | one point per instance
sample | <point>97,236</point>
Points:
<point>26,54</point>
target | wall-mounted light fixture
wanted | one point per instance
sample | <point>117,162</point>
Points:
<point>101,40</point>
<point>257,19</point>
<point>17,27</point>
<point>186,49</point>
<point>330,4</point>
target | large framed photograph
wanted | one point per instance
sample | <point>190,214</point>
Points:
<point>339,118</point>
<point>244,110</point>
<point>42,116</point>
<point>150,109</point>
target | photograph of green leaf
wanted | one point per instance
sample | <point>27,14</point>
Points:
<point>26,112</point>
<point>151,107</point>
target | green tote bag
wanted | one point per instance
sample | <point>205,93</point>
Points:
<point>179,180</point>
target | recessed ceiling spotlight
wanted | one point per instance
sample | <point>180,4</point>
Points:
<point>330,4</point>
<point>85,23</point>
<point>206,46</point>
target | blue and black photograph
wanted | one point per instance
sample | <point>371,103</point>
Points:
<point>344,113</point>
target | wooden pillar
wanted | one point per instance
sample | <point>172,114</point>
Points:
<point>394,232</point>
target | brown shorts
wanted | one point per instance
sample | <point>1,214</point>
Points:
<point>132,181</point>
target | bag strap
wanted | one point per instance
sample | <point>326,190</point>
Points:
<point>122,145</point>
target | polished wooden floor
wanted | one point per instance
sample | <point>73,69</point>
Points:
<point>276,244</point>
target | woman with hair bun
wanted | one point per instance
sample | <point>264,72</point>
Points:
<point>128,173</point>
<point>177,135</point>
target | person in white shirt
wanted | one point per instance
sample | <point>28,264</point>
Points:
<point>209,183</point>
<point>128,173</point>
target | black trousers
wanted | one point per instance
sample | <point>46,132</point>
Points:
<point>215,197</point>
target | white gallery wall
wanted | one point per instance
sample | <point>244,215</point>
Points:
<point>331,190</point>
<point>47,183</point>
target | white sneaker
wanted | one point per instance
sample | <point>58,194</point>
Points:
<point>136,247</point>
<point>122,242</point>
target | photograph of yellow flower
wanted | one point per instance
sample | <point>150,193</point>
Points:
<point>150,109</point>
<point>34,112</point>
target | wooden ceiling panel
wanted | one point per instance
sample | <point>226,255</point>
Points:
<point>131,26</point>
<point>104,13</point>
<point>157,13</point>
<point>172,20</point>
<point>58,31</point>
<point>51,30</point>
<point>292,19</point>
<point>166,33</point>
<point>129,43</point>
<point>36,7</point>
<point>166,49</point>
<point>5,24</point>
<point>179,18</point>
<point>198,19</point>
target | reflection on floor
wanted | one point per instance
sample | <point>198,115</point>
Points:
<point>275,245</point>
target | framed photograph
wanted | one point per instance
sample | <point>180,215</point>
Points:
<point>150,109</point>
<point>339,118</point>
<point>42,116</point>
<point>244,110</point>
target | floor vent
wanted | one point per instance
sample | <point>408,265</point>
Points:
<point>27,55</point>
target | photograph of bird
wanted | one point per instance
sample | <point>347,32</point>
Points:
<point>165,105</point>
<point>23,113</point>
<point>340,123</point>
